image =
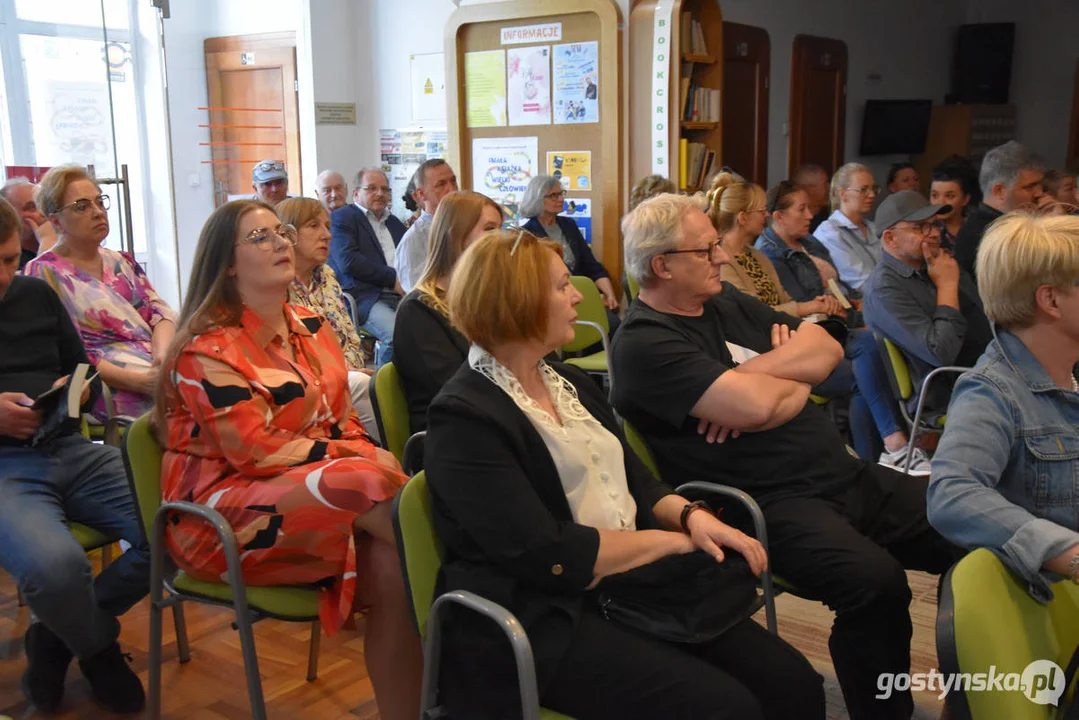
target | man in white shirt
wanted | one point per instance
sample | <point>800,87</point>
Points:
<point>433,180</point>
<point>365,237</point>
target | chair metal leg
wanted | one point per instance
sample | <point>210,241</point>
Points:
<point>157,585</point>
<point>917,422</point>
<point>312,655</point>
<point>183,649</point>
<point>251,661</point>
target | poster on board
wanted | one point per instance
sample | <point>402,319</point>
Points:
<point>529,73</point>
<point>576,82</point>
<point>429,88</point>
<point>485,88</point>
<point>403,151</point>
<point>502,169</point>
<point>580,211</point>
<point>572,168</point>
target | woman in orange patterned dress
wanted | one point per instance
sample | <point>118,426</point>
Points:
<point>256,419</point>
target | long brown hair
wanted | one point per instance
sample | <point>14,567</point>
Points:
<point>212,299</point>
<point>457,214</point>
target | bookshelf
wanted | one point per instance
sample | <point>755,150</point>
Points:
<point>696,61</point>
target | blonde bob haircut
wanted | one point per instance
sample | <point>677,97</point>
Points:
<point>500,295</point>
<point>53,185</point>
<point>1019,253</point>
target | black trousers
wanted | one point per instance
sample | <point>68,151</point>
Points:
<point>745,674</point>
<point>850,552</point>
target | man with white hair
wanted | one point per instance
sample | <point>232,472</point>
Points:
<point>37,234</point>
<point>1011,177</point>
<point>331,190</point>
<point>718,383</point>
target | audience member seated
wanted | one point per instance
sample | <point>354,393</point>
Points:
<point>902,176</point>
<point>1010,178</point>
<point>839,529</point>
<point>804,267</point>
<point>919,297</point>
<point>255,417</point>
<point>851,239</point>
<point>1004,472</point>
<point>44,486</point>
<point>316,288</point>
<point>331,189</point>
<point>269,180</point>
<point>365,237</point>
<point>1060,185</point>
<point>429,348</point>
<point>434,179</point>
<point>542,202</point>
<point>538,500</point>
<point>814,180</point>
<point>124,325</point>
<point>37,234</point>
<point>409,200</point>
<point>650,186</point>
<point>947,189</point>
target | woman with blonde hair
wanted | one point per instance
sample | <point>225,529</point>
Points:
<point>429,347</point>
<point>255,417</point>
<point>125,326</point>
<point>1004,472</point>
<point>647,187</point>
<point>851,238</point>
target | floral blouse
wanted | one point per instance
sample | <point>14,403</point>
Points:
<point>326,298</point>
<point>115,315</point>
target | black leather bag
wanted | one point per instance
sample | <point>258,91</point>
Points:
<point>680,598</point>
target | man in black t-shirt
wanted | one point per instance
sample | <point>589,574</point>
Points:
<point>718,384</point>
<point>46,485</point>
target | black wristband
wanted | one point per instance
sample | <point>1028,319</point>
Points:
<point>683,521</point>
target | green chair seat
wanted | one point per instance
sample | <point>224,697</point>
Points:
<point>552,715</point>
<point>284,603</point>
<point>391,409</point>
<point>89,538</point>
<point>819,400</point>
<point>596,362</point>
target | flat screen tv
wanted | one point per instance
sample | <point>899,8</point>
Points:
<point>895,127</point>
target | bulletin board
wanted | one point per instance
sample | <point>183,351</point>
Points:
<point>570,120</point>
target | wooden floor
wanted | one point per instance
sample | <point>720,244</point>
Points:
<point>211,686</point>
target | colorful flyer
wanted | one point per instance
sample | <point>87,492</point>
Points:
<point>576,82</point>
<point>485,88</point>
<point>580,209</point>
<point>502,169</point>
<point>574,169</point>
<point>529,72</point>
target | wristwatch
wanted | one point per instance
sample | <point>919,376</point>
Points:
<point>697,505</point>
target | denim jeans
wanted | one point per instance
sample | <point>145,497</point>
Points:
<point>380,324</point>
<point>41,490</point>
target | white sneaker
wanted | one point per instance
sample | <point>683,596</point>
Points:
<point>919,461</point>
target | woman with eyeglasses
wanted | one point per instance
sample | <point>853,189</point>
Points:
<point>542,203</point>
<point>125,326</point>
<point>851,238</point>
<point>256,420</point>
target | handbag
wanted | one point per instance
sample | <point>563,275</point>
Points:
<point>687,598</point>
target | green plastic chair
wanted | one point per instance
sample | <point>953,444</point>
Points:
<point>986,617</point>
<point>421,557</point>
<point>142,459</point>
<point>590,328</point>
<point>633,288</point>
<point>902,385</point>
<point>637,442</point>
<point>391,413</point>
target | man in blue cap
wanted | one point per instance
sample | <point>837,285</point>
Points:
<point>270,182</point>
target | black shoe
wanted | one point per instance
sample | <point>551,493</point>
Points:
<point>116,687</point>
<point>47,658</point>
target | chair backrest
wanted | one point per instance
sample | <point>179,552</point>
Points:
<point>637,442</point>
<point>418,547</point>
<point>632,287</point>
<point>351,302</point>
<point>897,370</point>
<point>142,459</point>
<point>986,617</point>
<point>591,309</point>
<point>391,409</point>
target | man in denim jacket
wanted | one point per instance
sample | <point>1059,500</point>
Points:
<point>1004,476</point>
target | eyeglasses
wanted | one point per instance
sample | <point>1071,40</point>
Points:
<point>865,189</point>
<point>922,228</point>
<point>376,189</point>
<point>81,205</point>
<point>271,166</point>
<point>557,195</point>
<point>711,251</point>
<point>262,238</point>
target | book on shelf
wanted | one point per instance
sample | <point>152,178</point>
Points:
<point>692,36</point>
<point>701,104</point>
<point>696,163</point>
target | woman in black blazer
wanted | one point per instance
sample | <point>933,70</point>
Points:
<point>537,497</point>
<point>428,348</point>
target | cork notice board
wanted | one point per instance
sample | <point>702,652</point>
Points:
<point>549,23</point>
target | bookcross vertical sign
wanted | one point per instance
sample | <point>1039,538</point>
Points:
<point>661,47</point>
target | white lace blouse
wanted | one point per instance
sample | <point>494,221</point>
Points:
<point>587,456</point>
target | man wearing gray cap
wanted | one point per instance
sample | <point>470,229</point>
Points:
<point>270,182</point>
<point>919,298</point>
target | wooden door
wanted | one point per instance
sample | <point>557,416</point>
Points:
<point>818,107</point>
<point>252,113</point>
<point>1072,161</point>
<point>746,65</point>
